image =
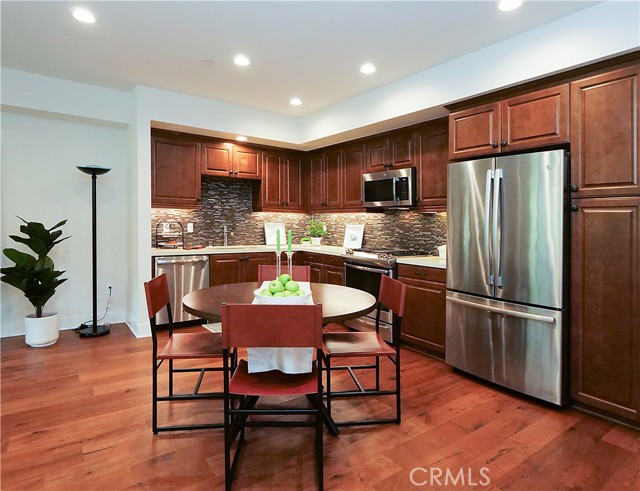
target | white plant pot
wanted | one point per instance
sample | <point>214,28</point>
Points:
<point>315,241</point>
<point>41,331</point>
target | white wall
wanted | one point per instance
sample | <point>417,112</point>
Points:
<point>40,182</point>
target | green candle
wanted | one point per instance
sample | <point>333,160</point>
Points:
<point>289,242</point>
<point>277,240</point>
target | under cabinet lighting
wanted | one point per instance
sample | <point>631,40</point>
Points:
<point>506,5</point>
<point>241,138</point>
<point>83,15</point>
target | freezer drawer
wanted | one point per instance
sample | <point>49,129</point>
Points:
<point>511,345</point>
<point>184,275</point>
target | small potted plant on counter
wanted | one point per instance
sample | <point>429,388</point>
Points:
<point>37,278</point>
<point>316,230</point>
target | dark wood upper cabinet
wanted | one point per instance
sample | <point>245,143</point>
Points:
<point>175,171</point>
<point>396,150</point>
<point>433,139</point>
<point>353,166</point>
<point>281,187</point>
<point>605,305</point>
<point>224,159</point>
<point>326,181</point>
<point>536,119</point>
<point>604,134</point>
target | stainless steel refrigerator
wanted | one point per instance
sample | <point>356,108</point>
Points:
<point>505,271</point>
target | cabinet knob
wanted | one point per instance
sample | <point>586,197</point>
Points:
<point>494,144</point>
<point>574,189</point>
<point>230,172</point>
<point>503,142</point>
<point>574,207</point>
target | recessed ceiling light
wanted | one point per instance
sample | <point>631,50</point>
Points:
<point>241,138</point>
<point>368,68</point>
<point>295,101</point>
<point>83,15</point>
<point>506,5</point>
<point>241,60</point>
<point>208,63</point>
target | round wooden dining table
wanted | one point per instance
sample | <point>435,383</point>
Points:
<point>339,303</point>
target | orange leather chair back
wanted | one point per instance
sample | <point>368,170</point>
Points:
<point>392,295</point>
<point>157,293</point>
<point>271,326</point>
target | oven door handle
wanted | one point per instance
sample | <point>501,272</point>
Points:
<point>367,269</point>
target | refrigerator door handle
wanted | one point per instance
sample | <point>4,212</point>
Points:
<point>498,310</point>
<point>498,222</point>
<point>487,229</point>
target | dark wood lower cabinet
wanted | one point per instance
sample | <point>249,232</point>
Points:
<point>424,313</point>
<point>325,268</point>
<point>237,268</point>
<point>605,305</point>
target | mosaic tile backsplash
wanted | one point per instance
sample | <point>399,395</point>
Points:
<point>229,203</point>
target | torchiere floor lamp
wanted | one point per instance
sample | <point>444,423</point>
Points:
<point>85,330</point>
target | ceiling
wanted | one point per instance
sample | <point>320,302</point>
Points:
<point>310,50</point>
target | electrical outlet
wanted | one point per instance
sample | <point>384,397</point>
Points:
<point>189,227</point>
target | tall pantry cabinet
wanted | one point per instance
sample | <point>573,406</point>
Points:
<point>605,257</point>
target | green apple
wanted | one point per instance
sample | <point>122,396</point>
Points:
<point>285,278</point>
<point>300,293</point>
<point>278,294</point>
<point>287,293</point>
<point>275,286</point>
<point>292,286</point>
<point>265,292</point>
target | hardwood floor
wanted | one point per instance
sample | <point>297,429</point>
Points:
<point>76,416</point>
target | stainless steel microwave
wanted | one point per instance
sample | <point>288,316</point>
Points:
<point>389,188</point>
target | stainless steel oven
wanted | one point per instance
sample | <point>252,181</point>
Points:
<point>367,278</point>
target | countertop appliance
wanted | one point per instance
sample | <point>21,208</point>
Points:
<point>389,188</point>
<point>363,269</point>
<point>506,273</point>
<point>184,275</point>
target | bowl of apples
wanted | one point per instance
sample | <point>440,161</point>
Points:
<point>282,291</point>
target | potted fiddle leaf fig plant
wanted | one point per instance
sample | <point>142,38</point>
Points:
<point>36,277</point>
<point>316,231</point>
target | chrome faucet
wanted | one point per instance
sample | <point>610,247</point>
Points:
<point>224,231</point>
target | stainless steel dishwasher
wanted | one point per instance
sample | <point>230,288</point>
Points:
<point>184,275</point>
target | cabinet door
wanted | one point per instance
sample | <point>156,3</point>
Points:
<point>536,119</point>
<point>434,157</point>
<point>403,149</point>
<point>353,168</point>
<point>271,180</point>
<point>217,159</point>
<point>377,154</point>
<point>316,272</point>
<point>317,183</point>
<point>605,305</point>
<point>334,275</point>
<point>333,177</point>
<point>424,314</point>
<point>225,269</point>
<point>246,162</point>
<point>251,263</point>
<point>291,172</point>
<point>475,132</point>
<point>604,134</point>
<point>175,172</point>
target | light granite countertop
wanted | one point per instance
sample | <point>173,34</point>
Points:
<point>427,261</point>
<point>239,249</point>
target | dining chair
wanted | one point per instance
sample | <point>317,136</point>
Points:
<point>179,346</point>
<point>341,345</point>
<point>267,272</point>
<point>269,326</point>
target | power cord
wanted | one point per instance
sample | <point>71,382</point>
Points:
<point>107,324</point>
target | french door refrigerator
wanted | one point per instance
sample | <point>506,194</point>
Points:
<point>505,271</point>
